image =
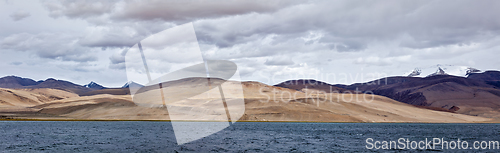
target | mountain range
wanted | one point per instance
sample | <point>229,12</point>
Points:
<point>93,85</point>
<point>262,103</point>
<point>442,70</point>
<point>23,83</point>
<point>15,82</point>
<point>477,94</point>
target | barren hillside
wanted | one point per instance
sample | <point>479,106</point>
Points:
<point>262,103</point>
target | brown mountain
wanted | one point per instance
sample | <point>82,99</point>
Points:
<point>475,95</point>
<point>15,82</point>
<point>486,76</point>
<point>262,103</point>
<point>62,85</point>
<point>490,77</point>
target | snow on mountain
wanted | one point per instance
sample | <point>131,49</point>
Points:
<point>415,72</point>
<point>438,72</point>
<point>441,70</point>
<point>131,83</point>
<point>471,70</point>
<point>94,85</point>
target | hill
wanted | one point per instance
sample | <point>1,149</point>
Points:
<point>61,85</point>
<point>471,96</point>
<point>262,103</point>
<point>93,85</point>
<point>14,82</point>
<point>486,76</point>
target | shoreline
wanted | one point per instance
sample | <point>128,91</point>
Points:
<point>100,120</point>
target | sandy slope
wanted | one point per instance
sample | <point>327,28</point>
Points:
<point>262,103</point>
<point>381,109</point>
<point>31,97</point>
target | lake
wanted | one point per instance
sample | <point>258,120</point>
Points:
<point>137,136</point>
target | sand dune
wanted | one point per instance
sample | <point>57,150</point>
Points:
<point>381,109</point>
<point>31,97</point>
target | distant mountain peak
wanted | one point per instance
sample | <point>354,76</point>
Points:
<point>131,83</point>
<point>438,72</point>
<point>94,85</point>
<point>16,82</point>
<point>23,83</point>
<point>471,70</point>
<point>441,69</point>
<point>51,79</point>
<point>415,72</point>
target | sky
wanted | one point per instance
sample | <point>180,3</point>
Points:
<point>339,42</point>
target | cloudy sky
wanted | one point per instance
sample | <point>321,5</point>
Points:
<point>270,41</point>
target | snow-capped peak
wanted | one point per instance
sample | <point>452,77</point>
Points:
<point>441,70</point>
<point>415,72</point>
<point>471,70</point>
<point>94,85</point>
<point>438,72</point>
<point>131,83</point>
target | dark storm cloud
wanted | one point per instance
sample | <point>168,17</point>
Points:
<point>354,24</point>
<point>347,25</point>
<point>142,18</point>
<point>158,9</point>
<point>194,9</point>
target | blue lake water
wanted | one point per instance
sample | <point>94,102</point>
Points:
<point>93,136</point>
